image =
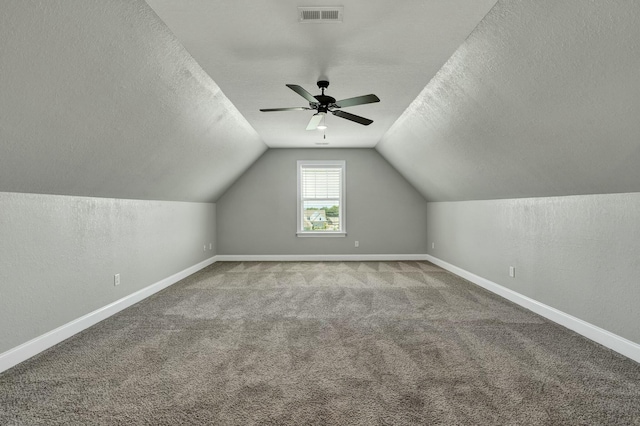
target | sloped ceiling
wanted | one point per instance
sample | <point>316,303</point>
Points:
<point>252,48</point>
<point>542,99</point>
<point>100,99</point>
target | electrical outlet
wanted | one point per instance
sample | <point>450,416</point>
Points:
<point>204,247</point>
<point>357,243</point>
<point>116,279</point>
<point>512,271</point>
<point>433,245</point>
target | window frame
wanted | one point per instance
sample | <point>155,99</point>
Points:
<point>340,164</point>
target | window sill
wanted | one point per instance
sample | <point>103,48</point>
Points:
<point>321,234</point>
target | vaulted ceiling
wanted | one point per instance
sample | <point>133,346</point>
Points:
<point>160,100</point>
<point>100,99</point>
<point>542,99</point>
<point>252,49</point>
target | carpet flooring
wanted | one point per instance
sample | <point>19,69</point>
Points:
<point>313,343</point>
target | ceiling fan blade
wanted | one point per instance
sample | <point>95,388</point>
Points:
<point>358,100</point>
<point>285,109</point>
<point>300,91</point>
<point>315,120</point>
<point>353,117</point>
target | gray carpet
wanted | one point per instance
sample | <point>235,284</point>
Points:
<point>304,343</point>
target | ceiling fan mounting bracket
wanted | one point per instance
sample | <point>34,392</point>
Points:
<point>323,84</point>
<point>324,100</point>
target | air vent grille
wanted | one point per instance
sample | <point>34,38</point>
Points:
<point>330,14</point>
<point>320,14</point>
<point>309,15</point>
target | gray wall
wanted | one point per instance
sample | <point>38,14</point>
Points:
<point>58,254</point>
<point>257,215</point>
<point>578,254</point>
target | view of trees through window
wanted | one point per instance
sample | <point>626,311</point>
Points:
<point>321,218</point>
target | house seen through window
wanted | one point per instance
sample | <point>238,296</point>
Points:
<point>321,207</point>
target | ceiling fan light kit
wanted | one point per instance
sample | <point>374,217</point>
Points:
<point>324,104</point>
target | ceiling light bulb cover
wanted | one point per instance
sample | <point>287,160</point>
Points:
<point>322,125</point>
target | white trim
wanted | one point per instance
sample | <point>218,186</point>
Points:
<point>321,234</point>
<point>317,257</point>
<point>606,338</point>
<point>34,346</point>
<point>25,351</point>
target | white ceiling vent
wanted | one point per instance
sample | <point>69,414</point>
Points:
<point>320,14</point>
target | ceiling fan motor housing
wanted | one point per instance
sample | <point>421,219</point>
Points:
<point>324,102</point>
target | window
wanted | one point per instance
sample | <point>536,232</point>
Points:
<point>321,208</point>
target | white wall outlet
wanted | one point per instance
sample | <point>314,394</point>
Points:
<point>512,271</point>
<point>357,243</point>
<point>116,279</point>
<point>204,247</point>
<point>433,245</point>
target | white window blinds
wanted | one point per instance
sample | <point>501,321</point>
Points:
<point>320,183</point>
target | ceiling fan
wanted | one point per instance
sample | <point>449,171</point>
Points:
<point>324,104</point>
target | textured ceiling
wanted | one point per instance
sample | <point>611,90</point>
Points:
<point>100,99</point>
<point>542,99</point>
<point>253,48</point>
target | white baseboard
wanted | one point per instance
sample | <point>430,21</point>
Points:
<point>34,346</point>
<point>317,257</point>
<point>25,351</point>
<point>590,331</point>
